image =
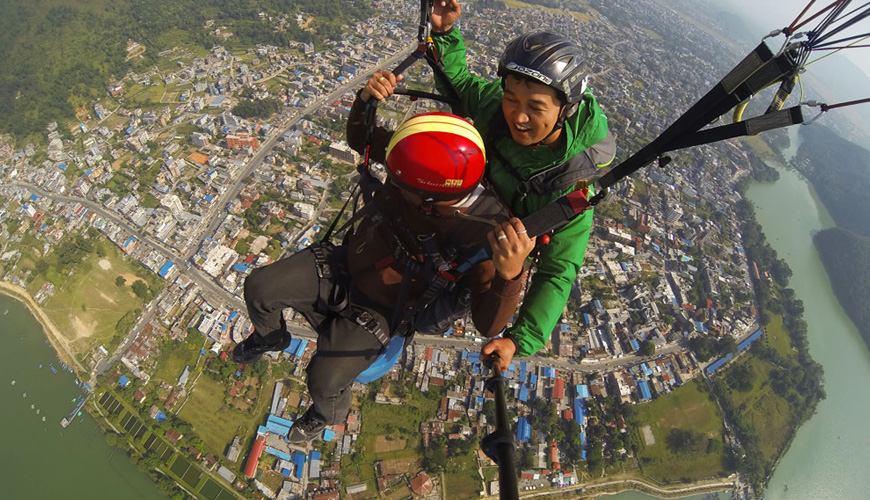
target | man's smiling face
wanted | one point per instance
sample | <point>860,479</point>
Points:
<point>531,110</point>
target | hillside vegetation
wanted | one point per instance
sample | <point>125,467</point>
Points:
<point>57,55</point>
<point>846,256</point>
<point>840,172</point>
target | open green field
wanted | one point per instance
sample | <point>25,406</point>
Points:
<point>213,421</point>
<point>174,356</point>
<point>687,408</point>
<point>517,4</point>
<point>461,479</point>
<point>652,34</point>
<point>395,422</point>
<point>145,96</point>
<point>759,147</point>
<point>763,409</point>
<point>777,338</point>
<point>87,303</point>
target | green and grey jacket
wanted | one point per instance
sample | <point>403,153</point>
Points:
<point>585,133</point>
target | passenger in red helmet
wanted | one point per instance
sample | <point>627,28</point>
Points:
<point>412,263</point>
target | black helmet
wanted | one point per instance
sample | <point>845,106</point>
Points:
<point>550,59</point>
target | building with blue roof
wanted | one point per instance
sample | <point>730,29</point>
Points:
<point>643,387</point>
<point>164,270</point>
<point>328,435</point>
<point>719,363</point>
<point>524,393</point>
<point>314,465</point>
<point>294,343</point>
<point>299,460</point>
<point>277,429</point>
<point>124,381</point>
<point>634,344</point>
<point>239,267</point>
<point>750,339</point>
<point>300,349</point>
<point>582,391</point>
<point>524,430</point>
<point>579,415</point>
<point>277,453</point>
<point>646,369</point>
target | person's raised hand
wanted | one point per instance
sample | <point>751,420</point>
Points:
<point>510,246</point>
<point>500,351</point>
<point>381,85</point>
<point>444,14</point>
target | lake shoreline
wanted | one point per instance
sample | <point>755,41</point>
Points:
<point>61,345</point>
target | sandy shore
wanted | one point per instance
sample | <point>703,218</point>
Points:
<point>60,343</point>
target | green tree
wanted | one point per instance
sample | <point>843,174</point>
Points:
<point>740,377</point>
<point>647,348</point>
<point>140,289</point>
<point>41,267</point>
<point>120,281</point>
<point>726,345</point>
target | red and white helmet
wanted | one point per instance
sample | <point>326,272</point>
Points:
<point>436,155</point>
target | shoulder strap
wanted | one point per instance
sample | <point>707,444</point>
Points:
<point>556,178</point>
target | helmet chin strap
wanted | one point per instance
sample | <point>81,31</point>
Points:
<point>565,112</point>
<point>427,207</point>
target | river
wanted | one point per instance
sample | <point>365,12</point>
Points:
<point>830,454</point>
<point>39,458</point>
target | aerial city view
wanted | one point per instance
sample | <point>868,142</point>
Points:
<point>384,249</point>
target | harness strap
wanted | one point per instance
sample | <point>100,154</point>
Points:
<point>331,297</point>
<point>370,324</point>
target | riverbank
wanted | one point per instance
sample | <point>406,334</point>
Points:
<point>821,461</point>
<point>52,332</point>
<point>606,489</point>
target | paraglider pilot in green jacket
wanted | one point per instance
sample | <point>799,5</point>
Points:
<point>538,118</point>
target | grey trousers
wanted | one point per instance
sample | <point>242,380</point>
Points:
<point>344,348</point>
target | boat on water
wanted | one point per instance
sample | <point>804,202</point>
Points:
<point>24,395</point>
<point>5,312</point>
<point>13,382</point>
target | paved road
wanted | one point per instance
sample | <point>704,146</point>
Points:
<point>217,213</point>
